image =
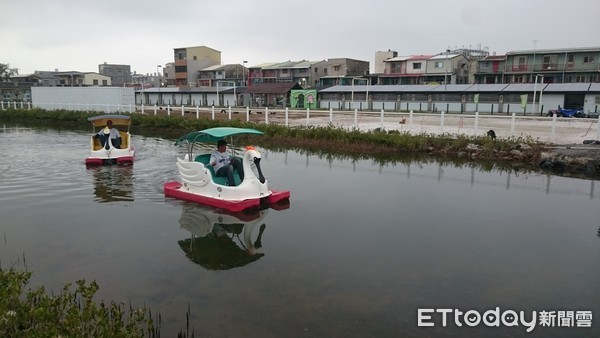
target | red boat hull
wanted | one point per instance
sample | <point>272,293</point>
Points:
<point>171,189</point>
<point>102,161</point>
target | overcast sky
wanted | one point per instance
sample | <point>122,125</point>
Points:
<point>79,35</point>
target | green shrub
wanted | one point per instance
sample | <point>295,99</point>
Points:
<point>72,313</point>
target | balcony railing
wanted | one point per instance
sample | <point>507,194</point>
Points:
<point>540,68</point>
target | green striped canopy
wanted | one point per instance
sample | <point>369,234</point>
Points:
<point>213,135</point>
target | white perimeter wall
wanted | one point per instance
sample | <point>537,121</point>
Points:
<point>106,99</point>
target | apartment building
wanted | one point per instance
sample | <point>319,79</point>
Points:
<point>445,68</point>
<point>232,75</point>
<point>341,71</point>
<point>306,73</point>
<point>564,65</point>
<point>120,75</point>
<point>380,57</point>
<point>72,79</point>
<point>188,61</point>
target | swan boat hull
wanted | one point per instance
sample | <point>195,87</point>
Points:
<point>107,160</point>
<point>174,189</point>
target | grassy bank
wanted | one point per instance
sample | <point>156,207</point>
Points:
<point>70,313</point>
<point>475,151</point>
<point>328,139</point>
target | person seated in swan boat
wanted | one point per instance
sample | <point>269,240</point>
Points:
<point>109,132</point>
<point>224,165</point>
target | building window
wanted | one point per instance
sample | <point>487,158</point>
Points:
<point>588,59</point>
<point>521,63</point>
<point>571,58</point>
<point>549,63</point>
<point>438,64</point>
<point>105,82</point>
<point>416,65</point>
<point>95,82</point>
<point>195,57</point>
<point>336,68</point>
<point>325,71</point>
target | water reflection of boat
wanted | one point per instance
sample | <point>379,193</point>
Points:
<point>222,240</point>
<point>113,183</point>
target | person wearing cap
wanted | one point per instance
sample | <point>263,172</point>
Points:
<point>115,137</point>
<point>224,165</point>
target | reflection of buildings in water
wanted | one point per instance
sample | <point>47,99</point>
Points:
<point>113,183</point>
<point>219,240</point>
<point>473,173</point>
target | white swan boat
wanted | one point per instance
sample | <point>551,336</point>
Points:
<point>110,153</point>
<point>200,184</point>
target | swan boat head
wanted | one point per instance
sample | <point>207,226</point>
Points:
<point>251,164</point>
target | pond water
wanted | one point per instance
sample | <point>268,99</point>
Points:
<point>360,248</point>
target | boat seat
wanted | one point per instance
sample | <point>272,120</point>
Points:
<point>124,139</point>
<point>204,159</point>
<point>97,145</point>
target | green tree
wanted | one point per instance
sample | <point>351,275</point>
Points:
<point>6,72</point>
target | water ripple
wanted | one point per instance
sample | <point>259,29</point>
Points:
<point>54,169</point>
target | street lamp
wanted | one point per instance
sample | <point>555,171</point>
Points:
<point>234,95</point>
<point>533,63</point>
<point>142,81</point>
<point>159,80</point>
<point>218,96</point>
<point>244,73</point>
<point>367,96</point>
<point>541,92</point>
<point>446,69</point>
<point>535,90</point>
<point>352,95</point>
<point>352,91</point>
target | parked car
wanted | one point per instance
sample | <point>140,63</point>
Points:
<point>562,112</point>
